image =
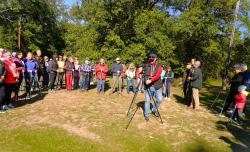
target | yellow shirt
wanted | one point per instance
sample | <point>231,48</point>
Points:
<point>60,66</point>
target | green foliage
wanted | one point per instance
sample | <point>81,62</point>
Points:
<point>130,29</point>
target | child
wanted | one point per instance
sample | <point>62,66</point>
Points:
<point>169,78</point>
<point>240,102</point>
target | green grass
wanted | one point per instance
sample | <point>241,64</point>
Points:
<point>184,130</point>
<point>45,139</point>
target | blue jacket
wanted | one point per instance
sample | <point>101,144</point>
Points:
<point>117,67</point>
<point>86,68</point>
<point>247,79</point>
<point>31,65</point>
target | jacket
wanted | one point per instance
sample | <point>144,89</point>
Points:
<point>53,67</point>
<point>101,74</point>
<point>86,69</point>
<point>240,99</point>
<point>170,76</point>
<point>153,72</point>
<point>236,81</point>
<point>116,67</point>
<point>130,74</point>
<point>2,71</point>
<point>69,68</point>
<point>30,65</point>
<point>196,79</point>
<point>11,72</point>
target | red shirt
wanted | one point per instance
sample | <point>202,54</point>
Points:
<point>157,76</point>
<point>99,74</point>
<point>11,72</point>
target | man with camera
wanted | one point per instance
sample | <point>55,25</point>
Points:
<point>152,71</point>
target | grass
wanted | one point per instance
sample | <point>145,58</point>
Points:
<point>76,121</point>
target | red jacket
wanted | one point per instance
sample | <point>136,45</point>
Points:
<point>11,72</point>
<point>101,74</point>
<point>240,100</point>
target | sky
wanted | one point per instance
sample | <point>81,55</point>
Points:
<point>70,2</point>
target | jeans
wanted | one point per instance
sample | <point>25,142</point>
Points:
<point>85,81</point>
<point>29,83</point>
<point>36,81</point>
<point>76,82</point>
<point>133,85</point>
<point>151,92</point>
<point>52,79</point>
<point>100,85</point>
<point>168,86</point>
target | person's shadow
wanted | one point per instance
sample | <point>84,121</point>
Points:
<point>241,143</point>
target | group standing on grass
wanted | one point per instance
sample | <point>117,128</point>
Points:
<point>152,79</point>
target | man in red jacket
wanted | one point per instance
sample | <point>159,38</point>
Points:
<point>101,72</point>
<point>153,85</point>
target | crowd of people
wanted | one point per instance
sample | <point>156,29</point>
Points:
<point>39,72</point>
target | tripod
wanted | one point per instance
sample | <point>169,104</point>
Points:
<point>135,106</point>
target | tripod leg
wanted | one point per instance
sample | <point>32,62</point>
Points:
<point>131,118</point>
<point>133,100</point>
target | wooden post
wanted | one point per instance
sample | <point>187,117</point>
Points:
<point>19,33</point>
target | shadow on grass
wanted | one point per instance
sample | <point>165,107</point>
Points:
<point>23,101</point>
<point>241,143</point>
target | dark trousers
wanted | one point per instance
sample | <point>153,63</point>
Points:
<point>9,88</point>
<point>18,84</point>
<point>2,93</point>
<point>45,79</point>
<point>52,79</point>
<point>60,79</point>
<point>76,82</point>
<point>229,101</point>
<point>187,90</point>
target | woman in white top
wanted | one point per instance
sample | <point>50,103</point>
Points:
<point>130,73</point>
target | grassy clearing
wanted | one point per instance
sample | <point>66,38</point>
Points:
<point>76,121</point>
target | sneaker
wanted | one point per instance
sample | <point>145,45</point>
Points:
<point>49,91</point>
<point>10,105</point>
<point>5,107</point>
<point>146,119</point>
<point>168,99</point>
